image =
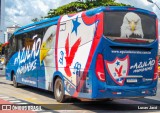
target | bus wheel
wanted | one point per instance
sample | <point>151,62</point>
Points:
<point>59,90</point>
<point>15,84</point>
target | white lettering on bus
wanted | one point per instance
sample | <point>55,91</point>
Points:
<point>27,67</point>
<point>143,66</point>
<point>26,54</point>
<point>28,81</point>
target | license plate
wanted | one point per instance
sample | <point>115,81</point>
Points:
<point>132,80</point>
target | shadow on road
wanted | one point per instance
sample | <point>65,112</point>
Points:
<point>83,104</point>
<point>92,105</point>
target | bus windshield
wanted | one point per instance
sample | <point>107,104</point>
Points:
<point>133,25</point>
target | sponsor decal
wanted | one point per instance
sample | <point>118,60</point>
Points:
<point>28,81</point>
<point>143,66</point>
<point>118,69</point>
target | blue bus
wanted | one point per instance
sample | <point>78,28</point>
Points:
<point>103,53</point>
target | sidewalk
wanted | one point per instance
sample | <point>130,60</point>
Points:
<point>5,107</point>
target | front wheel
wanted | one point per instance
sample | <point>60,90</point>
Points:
<point>15,84</point>
<point>59,90</point>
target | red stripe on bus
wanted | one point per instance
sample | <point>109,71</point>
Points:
<point>56,45</point>
<point>98,35</point>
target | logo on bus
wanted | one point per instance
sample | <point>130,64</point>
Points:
<point>118,69</point>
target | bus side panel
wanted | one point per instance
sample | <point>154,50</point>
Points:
<point>41,77</point>
<point>75,49</point>
<point>34,63</point>
<point>8,72</point>
<point>47,59</point>
<point>10,68</point>
<point>25,71</point>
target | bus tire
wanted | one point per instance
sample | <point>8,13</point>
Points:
<point>59,90</point>
<point>15,84</point>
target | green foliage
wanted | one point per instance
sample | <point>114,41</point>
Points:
<point>77,6</point>
<point>37,19</point>
<point>70,8</point>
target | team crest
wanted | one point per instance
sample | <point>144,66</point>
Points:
<point>118,69</point>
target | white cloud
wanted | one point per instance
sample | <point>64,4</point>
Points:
<point>137,3</point>
<point>23,11</point>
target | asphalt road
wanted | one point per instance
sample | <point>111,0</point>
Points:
<point>29,95</point>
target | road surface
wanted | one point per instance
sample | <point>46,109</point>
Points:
<point>26,95</point>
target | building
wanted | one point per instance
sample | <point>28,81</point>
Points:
<point>9,32</point>
<point>2,13</point>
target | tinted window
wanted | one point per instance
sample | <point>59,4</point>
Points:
<point>26,39</point>
<point>129,25</point>
<point>12,45</point>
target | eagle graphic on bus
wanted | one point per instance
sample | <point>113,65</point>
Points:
<point>96,54</point>
<point>47,55</point>
<point>131,25</point>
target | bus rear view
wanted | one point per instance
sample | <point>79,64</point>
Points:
<point>126,59</point>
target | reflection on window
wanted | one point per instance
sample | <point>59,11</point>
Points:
<point>20,46</point>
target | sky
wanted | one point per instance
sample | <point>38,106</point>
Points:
<point>21,12</point>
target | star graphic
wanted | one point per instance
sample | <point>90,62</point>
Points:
<point>75,25</point>
<point>118,63</point>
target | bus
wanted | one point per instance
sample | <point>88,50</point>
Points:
<point>103,53</point>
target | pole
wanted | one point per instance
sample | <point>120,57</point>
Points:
<point>157,6</point>
<point>151,1</point>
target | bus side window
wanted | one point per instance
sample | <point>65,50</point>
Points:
<point>12,46</point>
<point>48,36</point>
<point>19,42</point>
<point>40,34</point>
<point>25,41</point>
<point>28,41</point>
<point>20,46</point>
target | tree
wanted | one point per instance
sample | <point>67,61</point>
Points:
<point>37,19</point>
<point>78,6</point>
<point>70,8</point>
